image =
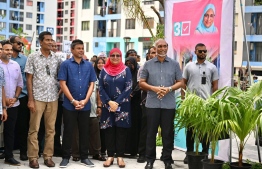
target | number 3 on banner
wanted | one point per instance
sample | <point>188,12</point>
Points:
<point>177,29</point>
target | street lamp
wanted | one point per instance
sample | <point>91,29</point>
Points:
<point>126,40</point>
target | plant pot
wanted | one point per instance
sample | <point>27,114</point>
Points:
<point>216,165</point>
<point>244,166</point>
<point>194,161</point>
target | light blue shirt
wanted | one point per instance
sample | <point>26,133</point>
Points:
<point>2,83</point>
<point>21,60</point>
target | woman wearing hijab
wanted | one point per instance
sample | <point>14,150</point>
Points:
<point>206,23</point>
<point>136,111</point>
<point>115,85</point>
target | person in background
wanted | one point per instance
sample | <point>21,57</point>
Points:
<point>115,86</point>
<point>76,77</point>
<point>13,88</point>
<point>138,59</point>
<point>23,116</point>
<point>143,132</point>
<point>98,66</point>
<point>102,55</point>
<point>133,132</point>
<point>132,53</point>
<point>201,78</point>
<point>42,69</point>
<point>3,113</point>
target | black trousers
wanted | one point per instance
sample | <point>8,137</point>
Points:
<point>22,125</point>
<point>164,118</point>
<point>115,141</point>
<point>190,142</point>
<point>58,123</point>
<point>143,133</point>
<point>103,141</point>
<point>9,131</point>
<point>70,119</point>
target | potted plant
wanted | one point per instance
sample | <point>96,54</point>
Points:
<point>188,116</point>
<point>247,115</point>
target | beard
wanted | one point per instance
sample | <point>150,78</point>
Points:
<point>201,58</point>
<point>16,50</point>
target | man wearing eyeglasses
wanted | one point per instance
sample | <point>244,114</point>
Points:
<point>200,77</point>
<point>13,88</point>
<point>23,116</point>
<point>42,85</point>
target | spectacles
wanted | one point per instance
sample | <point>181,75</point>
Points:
<point>47,69</point>
<point>210,16</point>
<point>20,43</point>
<point>112,56</point>
<point>201,51</point>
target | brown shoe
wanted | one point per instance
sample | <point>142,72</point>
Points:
<point>33,164</point>
<point>49,163</point>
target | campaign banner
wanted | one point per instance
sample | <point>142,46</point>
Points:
<point>189,22</point>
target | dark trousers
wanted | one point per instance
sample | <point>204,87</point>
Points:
<point>71,119</point>
<point>115,141</point>
<point>22,125</point>
<point>143,133</point>
<point>9,131</point>
<point>58,123</point>
<point>103,141</point>
<point>190,142</point>
<point>164,118</point>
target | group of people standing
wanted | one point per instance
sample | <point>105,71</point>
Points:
<point>130,101</point>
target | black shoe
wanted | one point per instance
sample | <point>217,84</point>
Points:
<point>141,159</point>
<point>161,158</point>
<point>2,156</point>
<point>168,166</point>
<point>12,161</point>
<point>64,163</point>
<point>23,157</point>
<point>87,162</point>
<point>149,165</point>
<point>185,160</point>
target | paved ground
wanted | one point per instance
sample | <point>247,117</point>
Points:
<point>250,153</point>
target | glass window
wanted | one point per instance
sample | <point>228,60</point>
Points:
<point>66,3</point>
<point>85,4</point>
<point>150,22</point>
<point>65,29</point>
<point>87,46</point>
<point>130,23</point>
<point>85,25</point>
<point>66,11</point>
<point>29,15</point>
<point>66,20</point>
<point>28,27</point>
<point>148,2</point>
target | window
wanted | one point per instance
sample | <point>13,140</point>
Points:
<point>150,22</point>
<point>148,2</point>
<point>2,0</point>
<point>87,46</point>
<point>65,29</point>
<point>2,25</point>
<point>85,4</point>
<point>235,48</point>
<point>65,37</point>
<point>85,25</point>
<point>29,15</point>
<point>236,19</point>
<point>66,3</point>
<point>66,20</point>
<point>130,23</point>
<point>66,11</point>
<point>28,27</point>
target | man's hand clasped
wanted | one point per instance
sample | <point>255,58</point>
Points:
<point>161,91</point>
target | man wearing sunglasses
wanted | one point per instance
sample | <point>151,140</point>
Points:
<point>200,77</point>
<point>23,116</point>
<point>13,88</point>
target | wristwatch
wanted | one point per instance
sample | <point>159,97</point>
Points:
<point>72,101</point>
<point>16,98</point>
<point>170,89</point>
<point>4,107</point>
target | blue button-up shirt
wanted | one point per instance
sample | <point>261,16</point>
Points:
<point>77,77</point>
<point>21,60</point>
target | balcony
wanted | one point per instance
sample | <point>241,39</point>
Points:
<point>72,22</point>
<point>59,23</point>
<point>72,4</point>
<point>100,28</point>
<point>14,4</point>
<point>14,15</point>
<point>40,19</point>
<point>72,38</point>
<point>60,14</point>
<point>72,14</point>
<point>59,39</point>
<point>59,31</point>
<point>60,5</point>
<point>72,31</point>
<point>40,7</point>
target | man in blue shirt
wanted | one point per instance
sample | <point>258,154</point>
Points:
<point>23,116</point>
<point>77,77</point>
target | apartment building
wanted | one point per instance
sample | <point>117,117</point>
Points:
<point>253,22</point>
<point>34,16</point>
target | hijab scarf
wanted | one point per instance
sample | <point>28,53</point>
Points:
<point>201,28</point>
<point>112,69</point>
<point>132,60</point>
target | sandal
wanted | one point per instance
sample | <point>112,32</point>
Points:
<point>76,159</point>
<point>99,157</point>
<point>109,161</point>
<point>120,162</point>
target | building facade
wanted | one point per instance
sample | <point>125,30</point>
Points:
<point>33,16</point>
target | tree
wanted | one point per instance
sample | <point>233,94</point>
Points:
<point>258,2</point>
<point>19,32</point>
<point>134,10</point>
